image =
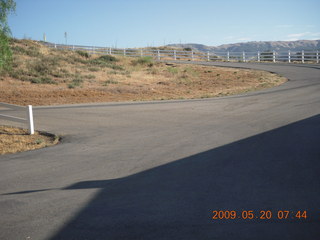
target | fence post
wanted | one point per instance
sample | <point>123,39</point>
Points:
<point>228,56</point>
<point>244,56</point>
<point>274,56</point>
<point>192,56</point>
<point>30,119</point>
<point>317,56</point>
<point>208,56</point>
<point>158,54</point>
<point>289,56</point>
<point>258,56</point>
<point>302,56</point>
<point>141,52</point>
<point>124,52</point>
<point>175,54</point>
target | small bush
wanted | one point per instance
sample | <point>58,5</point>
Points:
<point>172,70</point>
<point>43,66</point>
<point>148,60</point>
<point>106,61</point>
<point>110,81</point>
<point>76,82</point>
<point>90,76</point>
<point>108,58</point>
<point>93,69</point>
<point>115,67</point>
<point>83,54</point>
<point>42,80</point>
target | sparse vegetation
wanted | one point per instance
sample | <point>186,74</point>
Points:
<point>76,82</point>
<point>172,70</point>
<point>14,140</point>
<point>43,80</point>
<point>110,81</point>
<point>83,54</point>
<point>74,77</point>
<point>143,61</point>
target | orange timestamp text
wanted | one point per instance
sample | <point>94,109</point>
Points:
<point>262,214</point>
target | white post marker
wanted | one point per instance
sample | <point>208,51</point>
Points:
<point>175,54</point>
<point>228,56</point>
<point>258,56</point>
<point>302,56</point>
<point>274,56</point>
<point>30,119</point>
<point>317,56</point>
<point>244,56</point>
<point>289,56</point>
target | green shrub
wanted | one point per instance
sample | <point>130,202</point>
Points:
<point>90,76</point>
<point>148,60</point>
<point>83,54</point>
<point>42,80</point>
<point>76,82</point>
<point>110,81</point>
<point>172,70</point>
<point>106,61</point>
<point>43,66</point>
<point>108,58</point>
<point>5,54</point>
<point>93,69</point>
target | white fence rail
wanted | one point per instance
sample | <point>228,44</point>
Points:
<point>263,56</point>
<point>28,119</point>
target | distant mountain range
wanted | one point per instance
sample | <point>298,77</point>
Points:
<point>255,46</point>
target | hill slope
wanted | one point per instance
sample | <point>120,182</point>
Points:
<point>256,46</point>
<point>44,76</point>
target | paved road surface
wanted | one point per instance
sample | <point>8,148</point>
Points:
<point>158,170</point>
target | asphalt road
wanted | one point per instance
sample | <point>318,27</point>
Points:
<point>159,170</point>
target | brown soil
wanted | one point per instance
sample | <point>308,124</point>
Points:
<point>202,82</point>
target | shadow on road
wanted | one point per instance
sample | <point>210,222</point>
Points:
<point>275,170</point>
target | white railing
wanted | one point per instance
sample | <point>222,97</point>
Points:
<point>28,119</point>
<point>263,56</point>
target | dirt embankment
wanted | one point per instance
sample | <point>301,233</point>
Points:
<point>43,76</point>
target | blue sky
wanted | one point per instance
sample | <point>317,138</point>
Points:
<point>140,23</point>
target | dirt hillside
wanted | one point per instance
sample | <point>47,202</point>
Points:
<point>43,76</point>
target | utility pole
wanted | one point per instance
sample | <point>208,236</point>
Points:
<point>66,37</point>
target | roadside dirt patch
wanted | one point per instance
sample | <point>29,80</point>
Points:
<point>14,140</point>
<point>180,82</point>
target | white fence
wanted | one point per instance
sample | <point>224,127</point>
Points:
<point>263,56</point>
<point>28,119</point>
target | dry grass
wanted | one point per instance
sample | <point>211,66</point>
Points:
<point>43,76</point>
<point>14,140</point>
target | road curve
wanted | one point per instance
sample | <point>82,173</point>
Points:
<point>159,170</point>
